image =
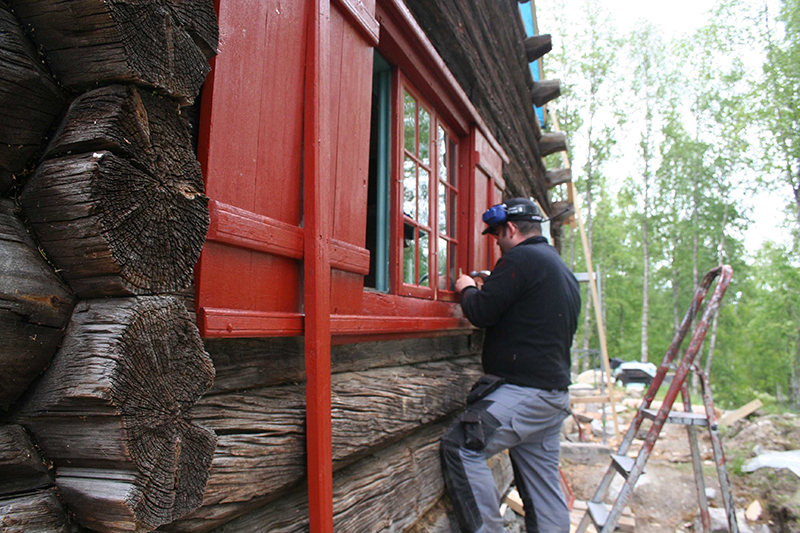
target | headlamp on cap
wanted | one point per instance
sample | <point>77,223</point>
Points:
<point>500,214</point>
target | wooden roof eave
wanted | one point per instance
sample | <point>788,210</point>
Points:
<point>404,20</point>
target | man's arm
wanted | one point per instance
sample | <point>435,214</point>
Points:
<point>485,307</point>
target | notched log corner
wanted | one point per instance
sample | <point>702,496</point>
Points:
<point>118,202</point>
<point>30,100</point>
<point>35,305</point>
<point>112,414</point>
<point>164,44</point>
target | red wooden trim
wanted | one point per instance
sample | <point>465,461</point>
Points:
<point>349,257</point>
<point>238,323</point>
<point>242,323</point>
<point>405,44</point>
<point>245,229</point>
<point>499,181</point>
<point>318,206</point>
<point>359,14</point>
<point>359,324</point>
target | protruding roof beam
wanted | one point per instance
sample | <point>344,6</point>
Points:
<point>562,211</point>
<point>551,143</point>
<point>544,91</point>
<point>537,46</point>
<point>557,177</point>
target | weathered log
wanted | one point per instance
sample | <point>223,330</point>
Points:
<point>22,468</point>
<point>164,44</point>
<point>34,307</point>
<point>129,216</point>
<point>544,91</point>
<point>562,211</point>
<point>252,363</point>
<point>537,46</point>
<point>30,100</point>
<point>551,143</point>
<point>557,177</point>
<point>34,512</point>
<point>388,491</point>
<point>261,447</point>
<point>112,413</point>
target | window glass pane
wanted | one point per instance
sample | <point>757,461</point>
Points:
<point>424,197</point>
<point>442,208</point>
<point>424,259</point>
<point>424,137</point>
<point>452,165</point>
<point>441,142</point>
<point>410,122</point>
<point>409,188</point>
<point>409,256</point>
<point>443,264</point>
<point>452,213</point>
<point>453,259</point>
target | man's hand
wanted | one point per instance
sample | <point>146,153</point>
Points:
<point>463,282</point>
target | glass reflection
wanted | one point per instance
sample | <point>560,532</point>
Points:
<point>424,197</point>
<point>424,136</point>
<point>409,187</point>
<point>409,122</point>
<point>424,259</point>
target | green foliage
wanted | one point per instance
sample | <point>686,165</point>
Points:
<point>692,117</point>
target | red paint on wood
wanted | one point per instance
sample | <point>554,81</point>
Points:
<point>250,148</point>
<point>361,15</point>
<point>318,203</point>
<point>404,44</point>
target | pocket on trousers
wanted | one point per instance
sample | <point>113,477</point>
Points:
<point>474,435</point>
<point>478,425</point>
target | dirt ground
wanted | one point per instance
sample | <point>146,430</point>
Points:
<point>665,497</point>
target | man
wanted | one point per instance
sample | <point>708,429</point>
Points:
<point>529,305</point>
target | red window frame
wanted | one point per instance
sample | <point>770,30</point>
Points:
<point>401,219</point>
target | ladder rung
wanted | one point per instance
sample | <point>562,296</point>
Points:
<point>679,417</point>
<point>598,512</point>
<point>623,464</point>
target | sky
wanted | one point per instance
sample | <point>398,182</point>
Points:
<point>681,17</point>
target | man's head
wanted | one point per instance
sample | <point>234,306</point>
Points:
<point>512,222</point>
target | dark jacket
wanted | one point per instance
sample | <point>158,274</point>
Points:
<point>529,306</point>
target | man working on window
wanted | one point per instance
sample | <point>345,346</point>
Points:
<point>529,306</point>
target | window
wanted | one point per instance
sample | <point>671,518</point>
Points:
<point>429,196</point>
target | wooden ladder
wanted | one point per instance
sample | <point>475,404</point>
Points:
<point>605,518</point>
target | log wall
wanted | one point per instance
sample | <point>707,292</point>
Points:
<point>382,393</point>
<point>103,198</point>
<point>110,220</point>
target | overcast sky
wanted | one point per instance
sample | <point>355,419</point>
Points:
<point>681,17</point>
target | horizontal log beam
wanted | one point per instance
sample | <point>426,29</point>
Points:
<point>34,308</point>
<point>537,46</point>
<point>388,491</point>
<point>544,91</point>
<point>551,143</point>
<point>34,512</point>
<point>562,211</point>
<point>557,177</point>
<point>30,100</point>
<point>111,412</point>
<point>265,362</point>
<point>118,205</point>
<point>261,450</point>
<point>22,468</point>
<point>162,44</point>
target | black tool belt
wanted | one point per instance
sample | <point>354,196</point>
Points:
<point>486,385</point>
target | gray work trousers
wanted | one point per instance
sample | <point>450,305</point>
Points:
<point>527,422</point>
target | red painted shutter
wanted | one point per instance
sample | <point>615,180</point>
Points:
<point>351,88</point>
<point>249,279</point>
<point>487,191</point>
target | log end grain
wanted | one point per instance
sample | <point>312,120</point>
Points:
<point>112,412</point>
